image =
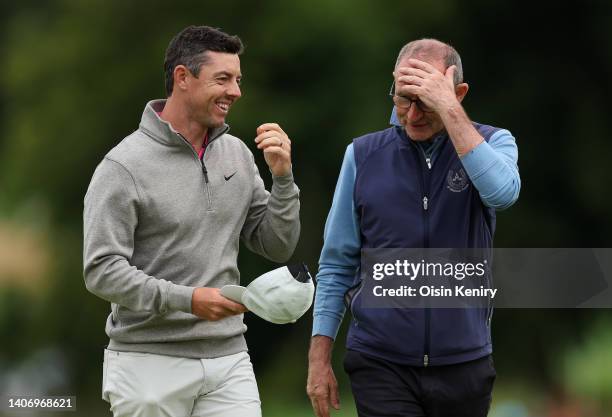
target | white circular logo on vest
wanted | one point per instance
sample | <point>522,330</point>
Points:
<point>457,181</point>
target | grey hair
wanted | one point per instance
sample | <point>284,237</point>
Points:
<point>433,48</point>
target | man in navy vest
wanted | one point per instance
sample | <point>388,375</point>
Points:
<point>434,179</point>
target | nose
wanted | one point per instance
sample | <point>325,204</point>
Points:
<point>414,113</point>
<point>234,90</point>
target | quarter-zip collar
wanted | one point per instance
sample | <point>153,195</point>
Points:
<point>162,132</point>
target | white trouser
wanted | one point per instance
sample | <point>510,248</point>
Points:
<point>148,385</point>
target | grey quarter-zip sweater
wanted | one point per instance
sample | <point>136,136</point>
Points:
<point>159,222</point>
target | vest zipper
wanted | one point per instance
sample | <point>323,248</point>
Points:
<point>427,155</point>
<point>425,178</point>
<point>427,308</point>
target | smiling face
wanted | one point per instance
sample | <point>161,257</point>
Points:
<point>420,125</point>
<point>209,96</point>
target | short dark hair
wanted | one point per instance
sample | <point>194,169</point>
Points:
<point>189,48</point>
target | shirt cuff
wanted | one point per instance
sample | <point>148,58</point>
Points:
<point>284,186</point>
<point>179,298</point>
<point>325,326</point>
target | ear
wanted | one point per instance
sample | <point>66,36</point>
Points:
<point>181,73</point>
<point>461,90</point>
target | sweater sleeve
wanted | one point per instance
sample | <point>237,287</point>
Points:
<point>340,256</point>
<point>493,169</point>
<point>110,218</point>
<point>272,225</point>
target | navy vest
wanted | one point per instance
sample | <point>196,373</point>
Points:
<point>403,203</point>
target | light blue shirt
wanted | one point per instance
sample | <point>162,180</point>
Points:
<point>492,167</point>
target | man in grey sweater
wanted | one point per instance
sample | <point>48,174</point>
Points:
<point>163,217</point>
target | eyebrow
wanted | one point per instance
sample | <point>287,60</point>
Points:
<point>216,74</point>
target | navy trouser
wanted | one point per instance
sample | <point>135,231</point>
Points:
<point>386,389</point>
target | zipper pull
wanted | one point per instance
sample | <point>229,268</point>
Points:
<point>205,172</point>
<point>425,200</point>
<point>428,160</point>
<point>425,360</point>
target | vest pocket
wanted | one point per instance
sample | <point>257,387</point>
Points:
<point>350,296</point>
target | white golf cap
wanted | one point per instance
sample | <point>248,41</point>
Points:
<point>280,296</point>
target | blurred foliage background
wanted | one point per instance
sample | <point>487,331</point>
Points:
<point>76,75</point>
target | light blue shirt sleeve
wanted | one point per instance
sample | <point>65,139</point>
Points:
<point>492,167</point>
<point>341,253</point>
